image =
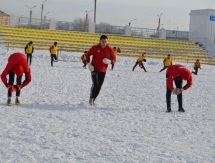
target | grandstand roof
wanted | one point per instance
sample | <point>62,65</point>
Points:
<point>3,13</point>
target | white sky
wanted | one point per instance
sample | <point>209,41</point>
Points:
<point>114,12</point>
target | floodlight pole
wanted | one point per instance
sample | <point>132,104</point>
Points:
<point>131,21</point>
<point>30,13</point>
<point>42,14</point>
<point>95,12</point>
<point>87,19</point>
<point>159,22</point>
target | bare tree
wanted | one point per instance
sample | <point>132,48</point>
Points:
<point>103,27</point>
<point>80,24</point>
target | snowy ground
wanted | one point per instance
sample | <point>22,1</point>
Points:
<point>128,124</point>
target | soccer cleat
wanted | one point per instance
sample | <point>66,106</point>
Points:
<point>181,110</point>
<point>9,103</point>
<point>91,101</point>
<point>168,110</point>
<point>17,102</point>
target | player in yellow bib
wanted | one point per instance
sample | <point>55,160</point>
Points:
<point>197,65</point>
<point>53,51</point>
<point>116,53</point>
<point>29,49</point>
<point>140,61</point>
<point>166,62</point>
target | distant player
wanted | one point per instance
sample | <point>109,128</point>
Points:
<point>116,51</point>
<point>140,61</point>
<point>17,65</point>
<point>53,51</point>
<point>197,65</point>
<point>84,59</point>
<point>102,55</point>
<point>177,73</point>
<point>29,49</point>
<point>167,62</point>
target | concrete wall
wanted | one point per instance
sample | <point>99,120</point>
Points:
<point>91,28</point>
<point>163,33</point>
<point>13,20</point>
<point>127,30</point>
<point>52,24</point>
<point>202,24</point>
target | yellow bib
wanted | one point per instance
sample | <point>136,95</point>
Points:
<point>29,49</point>
<point>84,58</point>
<point>115,52</point>
<point>140,59</point>
<point>54,50</point>
<point>167,62</point>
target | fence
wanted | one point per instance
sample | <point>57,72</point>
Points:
<point>71,26</point>
<point>102,28</point>
<point>33,23</point>
<point>108,29</point>
<point>143,32</point>
<point>184,35</point>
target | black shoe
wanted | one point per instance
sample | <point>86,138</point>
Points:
<point>168,110</point>
<point>181,110</point>
<point>91,101</point>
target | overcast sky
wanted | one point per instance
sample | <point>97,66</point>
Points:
<point>114,12</point>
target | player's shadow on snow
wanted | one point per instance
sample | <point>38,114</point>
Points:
<point>63,107</point>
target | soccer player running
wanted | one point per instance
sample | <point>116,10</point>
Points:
<point>29,49</point>
<point>116,51</point>
<point>167,62</point>
<point>84,59</point>
<point>140,61</point>
<point>53,51</point>
<point>177,73</point>
<point>197,65</point>
<point>17,65</point>
<point>102,55</point>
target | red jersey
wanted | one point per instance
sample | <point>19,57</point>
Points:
<point>178,71</point>
<point>14,60</point>
<point>98,54</point>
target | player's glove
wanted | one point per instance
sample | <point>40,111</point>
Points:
<point>18,87</point>
<point>91,68</point>
<point>144,60</point>
<point>106,61</point>
<point>11,88</point>
<point>177,91</point>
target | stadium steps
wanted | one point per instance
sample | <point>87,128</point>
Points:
<point>186,51</point>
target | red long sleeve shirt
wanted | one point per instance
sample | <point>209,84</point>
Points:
<point>98,54</point>
<point>14,60</point>
<point>175,71</point>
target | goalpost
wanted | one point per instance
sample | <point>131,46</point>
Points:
<point>62,55</point>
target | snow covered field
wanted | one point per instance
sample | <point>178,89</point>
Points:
<point>129,123</point>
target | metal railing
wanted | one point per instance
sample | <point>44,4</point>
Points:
<point>108,29</point>
<point>143,32</point>
<point>174,34</point>
<point>102,28</point>
<point>70,26</point>
<point>34,23</point>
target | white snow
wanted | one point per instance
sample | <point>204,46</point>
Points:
<point>129,123</point>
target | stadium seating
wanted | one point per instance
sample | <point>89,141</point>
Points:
<point>180,50</point>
